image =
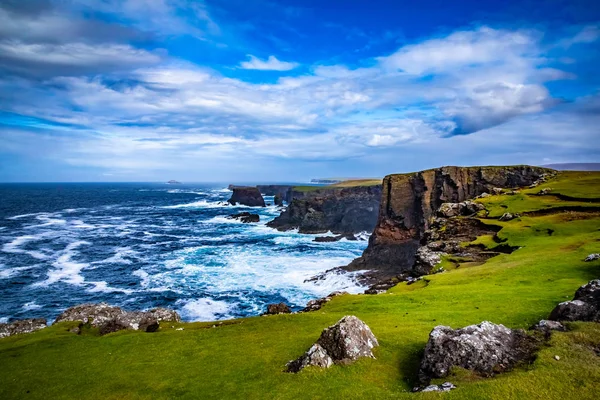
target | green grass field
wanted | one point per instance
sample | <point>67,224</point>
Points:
<point>246,359</point>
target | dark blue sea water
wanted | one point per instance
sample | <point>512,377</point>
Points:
<point>146,245</point>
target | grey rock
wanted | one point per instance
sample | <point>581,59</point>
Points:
<point>590,293</point>
<point>22,326</point>
<point>508,216</point>
<point>94,314</point>
<point>346,341</point>
<point>449,210</point>
<point>546,326</point>
<point>574,310</point>
<point>427,259</point>
<point>484,348</point>
<point>280,308</point>
<point>165,314</point>
<point>315,356</point>
<point>544,192</point>
<point>497,190</point>
<point>245,217</point>
<point>314,305</point>
<point>444,387</point>
<point>592,257</point>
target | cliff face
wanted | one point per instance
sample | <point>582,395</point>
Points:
<point>246,195</point>
<point>284,192</point>
<point>409,201</point>
<point>340,210</point>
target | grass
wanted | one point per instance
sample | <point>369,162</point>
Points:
<point>344,184</point>
<point>246,360</point>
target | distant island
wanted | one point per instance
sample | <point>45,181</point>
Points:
<point>173,182</point>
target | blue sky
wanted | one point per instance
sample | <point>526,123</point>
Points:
<point>233,91</point>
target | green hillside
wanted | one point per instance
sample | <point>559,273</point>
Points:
<point>245,358</point>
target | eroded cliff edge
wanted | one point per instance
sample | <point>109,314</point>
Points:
<point>345,210</point>
<point>408,205</point>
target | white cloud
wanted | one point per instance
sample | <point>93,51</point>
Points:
<point>271,64</point>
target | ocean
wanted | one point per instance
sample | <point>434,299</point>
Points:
<point>143,245</point>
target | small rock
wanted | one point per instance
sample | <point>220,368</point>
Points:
<point>245,217</point>
<point>280,308</point>
<point>506,217</point>
<point>557,358</point>
<point>22,326</point>
<point>547,325</point>
<point>497,190</point>
<point>592,257</point>
<point>483,195</point>
<point>316,356</point>
<point>544,192</point>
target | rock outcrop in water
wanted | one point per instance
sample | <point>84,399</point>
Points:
<point>410,201</point>
<point>346,341</point>
<point>245,217</point>
<point>247,196</point>
<point>22,326</point>
<point>339,210</point>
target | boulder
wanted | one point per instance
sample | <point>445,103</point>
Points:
<point>349,339</point>
<point>325,239</point>
<point>497,190</point>
<point>280,308</point>
<point>22,326</point>
<point>346,341</point>
<point>247,196</point>
<point>94,314</point>
<point>574,310</point>
<point>544,192</point>
<point>245,217</point>
<point>592,257</point>
<point>485,348</point>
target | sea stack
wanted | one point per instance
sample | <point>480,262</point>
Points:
<point>247,196</point>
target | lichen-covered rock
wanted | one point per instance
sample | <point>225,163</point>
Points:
<point>426,259</point>
<point>245,217</point>
<point>134,320</point>
<point>22,326</point>
<point>485,348</point>
<point>590,293</point>
<point>546,326</point>
<point>544,192</point>
<point>94,314</point>
<point>592,257</point>
<point>280,308</point>
<point>315,356</point>
<point>444,387</point>
<point>574,310</point>
<point>346,341</point>
<point>247,196</point>
<point>449,210</point>
<point>165,314</point>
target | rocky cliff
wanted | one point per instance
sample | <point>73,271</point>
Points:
<point>247,195</point>
<point>409,202</point>
<point>339,210</point>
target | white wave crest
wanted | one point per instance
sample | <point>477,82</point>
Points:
<point>32,305</point>
<point>65,269</point>
<point>205,309</point>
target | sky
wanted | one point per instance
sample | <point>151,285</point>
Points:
<point>287,91</point>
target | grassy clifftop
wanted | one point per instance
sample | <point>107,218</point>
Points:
<point>344,184</point>
<point>245,358</point>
